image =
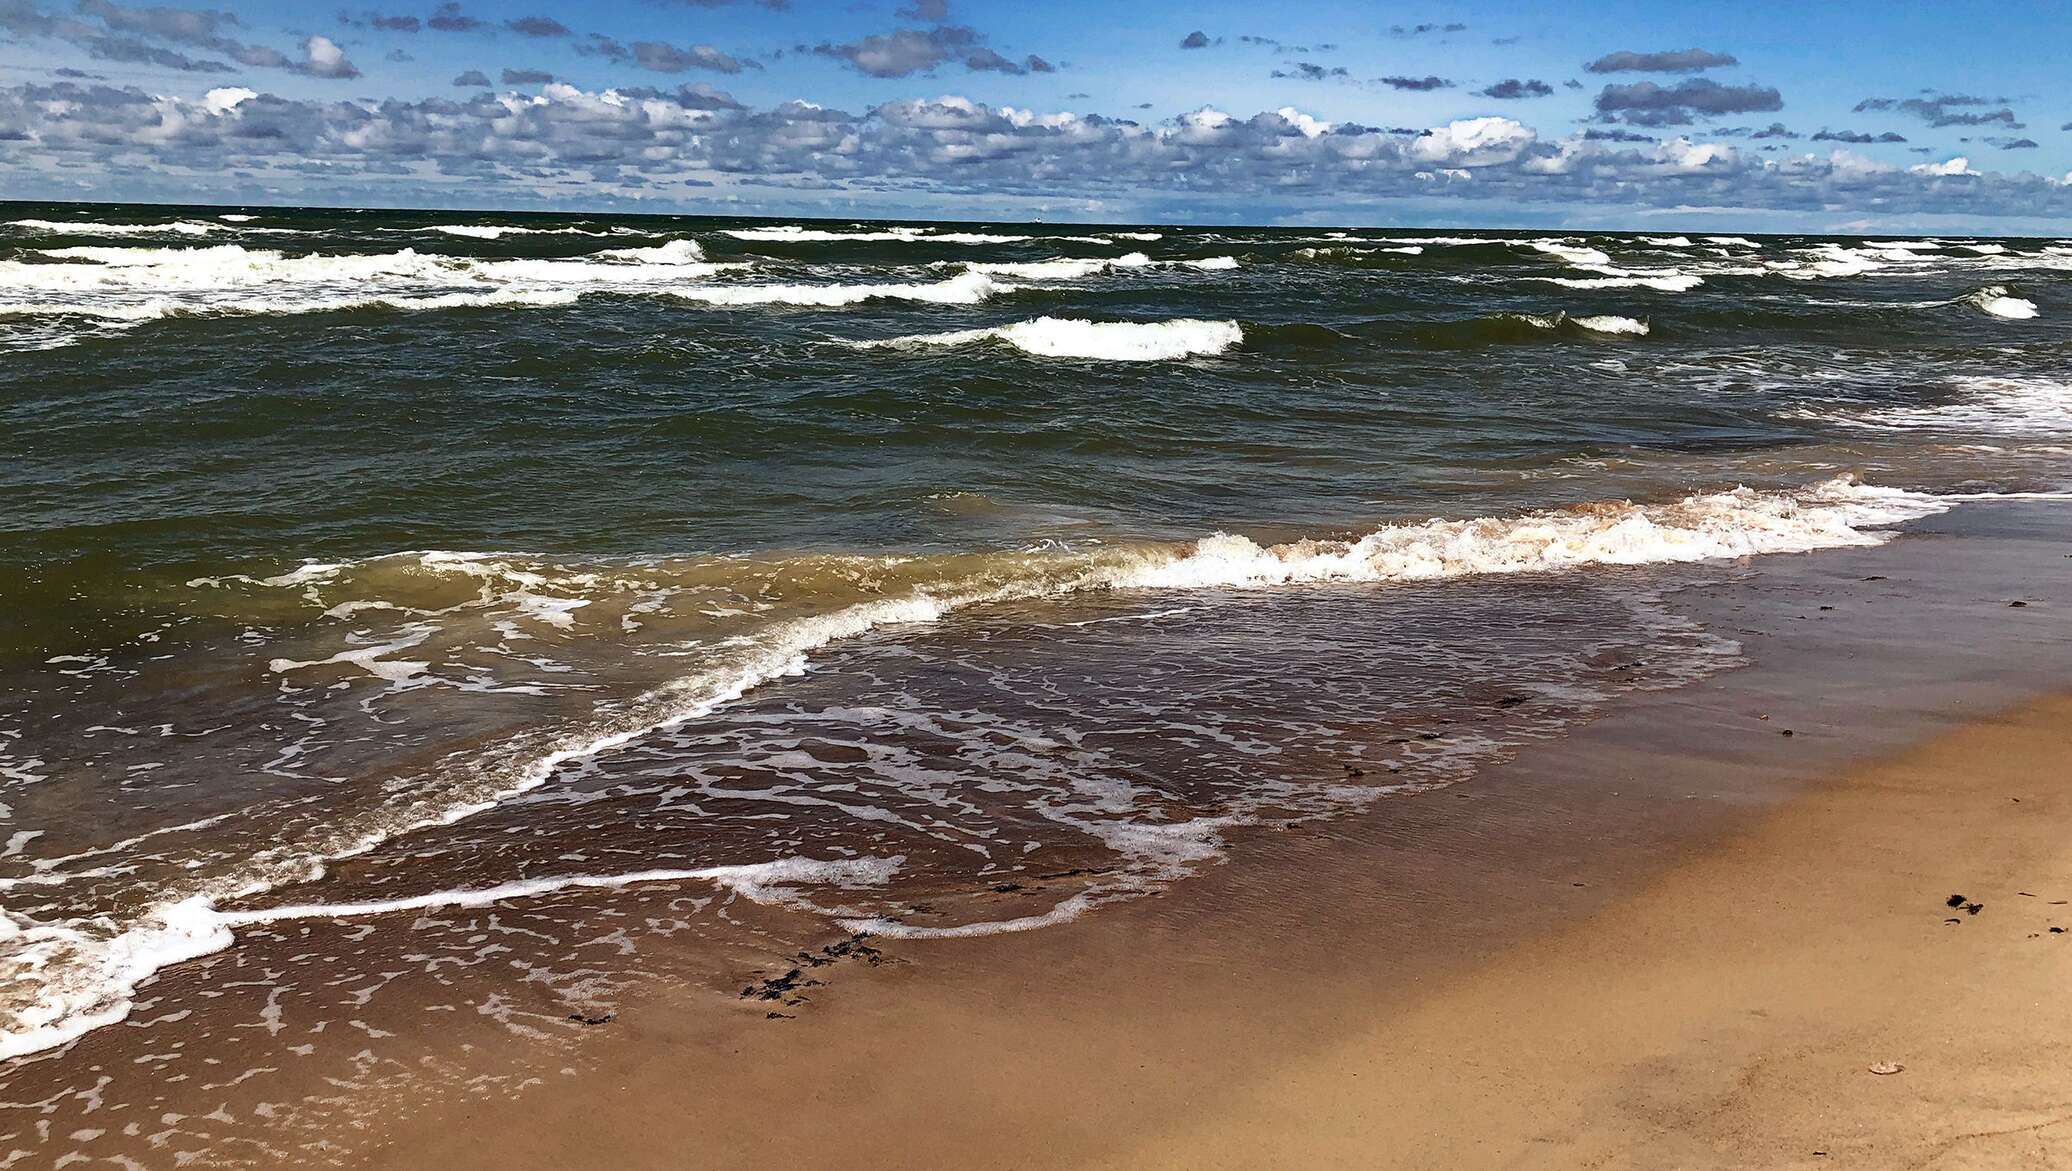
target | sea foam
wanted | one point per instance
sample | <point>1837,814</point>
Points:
<point>63,979</point>
<point>1110,341</point>
<point>968,288</point>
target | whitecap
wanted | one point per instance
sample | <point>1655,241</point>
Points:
<point>1111,341</point>
<point>968,288</point>
<point>1996,301</point>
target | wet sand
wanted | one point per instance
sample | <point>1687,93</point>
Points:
<point>1678,937</point>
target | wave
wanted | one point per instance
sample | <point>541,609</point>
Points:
<point>793,234</point>
<point>1349,254</point>
<point>1062,269</point>
<point>153,309</point>
<point>83,228</point>
<point>59,980</point>
<point>1611,323</point>
<point>1076,268</point>
<point>1108,341</point>
<point>499,231</point>
<point>1579,255</point>
<point>968,288</point>
<point>2012,406</point>
<point>136,284</point>
<point>1525,328</point>
<point>1998,302</point>
<point>1677,282</point>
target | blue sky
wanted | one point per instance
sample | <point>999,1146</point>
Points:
<point>1706,115</point>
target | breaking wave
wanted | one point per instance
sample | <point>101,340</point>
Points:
<point>132,284</point>
<point>1996,301</point>
<point>1108,341</point>
<point>59,980</point>
<point>968,288</point>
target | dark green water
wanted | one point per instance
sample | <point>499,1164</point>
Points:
<point>832,563</point>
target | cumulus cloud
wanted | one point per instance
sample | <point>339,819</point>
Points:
<point>524,77</point>
<point>906,51</point>
<point>1195,40</point>
<point>1775,130</point>
<point>1418,84</point>
<point>321,57</point>
<point>1645,103</point>
<point>1510,89</point>
<point>472,77</point>
<point>1956,166</point>
<point>1669,61</point>
<point>2015,143</point>
<point>131,34</point>
<point>638,143</point>
<point>932,11</point>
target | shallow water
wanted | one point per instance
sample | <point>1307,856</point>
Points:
<point>947,580</point>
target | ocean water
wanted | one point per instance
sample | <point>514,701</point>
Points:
<point>941,580</point>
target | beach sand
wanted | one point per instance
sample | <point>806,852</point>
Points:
<point>1676,938</point>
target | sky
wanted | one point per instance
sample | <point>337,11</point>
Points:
<point>1904,115</point>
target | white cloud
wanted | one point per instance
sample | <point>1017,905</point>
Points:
<point>1474,142</point>
<point>1956,166</point>
<point>226,98</point>
<point>321,57</point>
<point>669,146</point>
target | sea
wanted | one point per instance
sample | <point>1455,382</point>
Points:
<point>525,594</point>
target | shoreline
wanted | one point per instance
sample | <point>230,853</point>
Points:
<point>1151,1021</point>
<point>1415,985</point>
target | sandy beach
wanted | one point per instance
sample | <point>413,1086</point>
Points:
<point>1679,937</point>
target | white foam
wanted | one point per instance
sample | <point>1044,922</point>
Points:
<point>1611,323</point>
<point>1680,282</point>
<point>975,238</point>
<point>64,979</point>
<point>968,288</point>
<point>763,882</point>
<point>1144,236</point>
<point>1112,341</point>
<point>84,982</point>
<point>1578,255</point>
<point>84,228</point>
<point>2014,406</point>
<point>792,233</point>
<point>1739,523</point>
<point>127,285</point>
<point>1062,269</point>
<point>155,308</point>
<point>1996,301</point>
<point>499,231</point>
<point>368,658</point>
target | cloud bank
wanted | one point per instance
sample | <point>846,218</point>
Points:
<point>640,144</point>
